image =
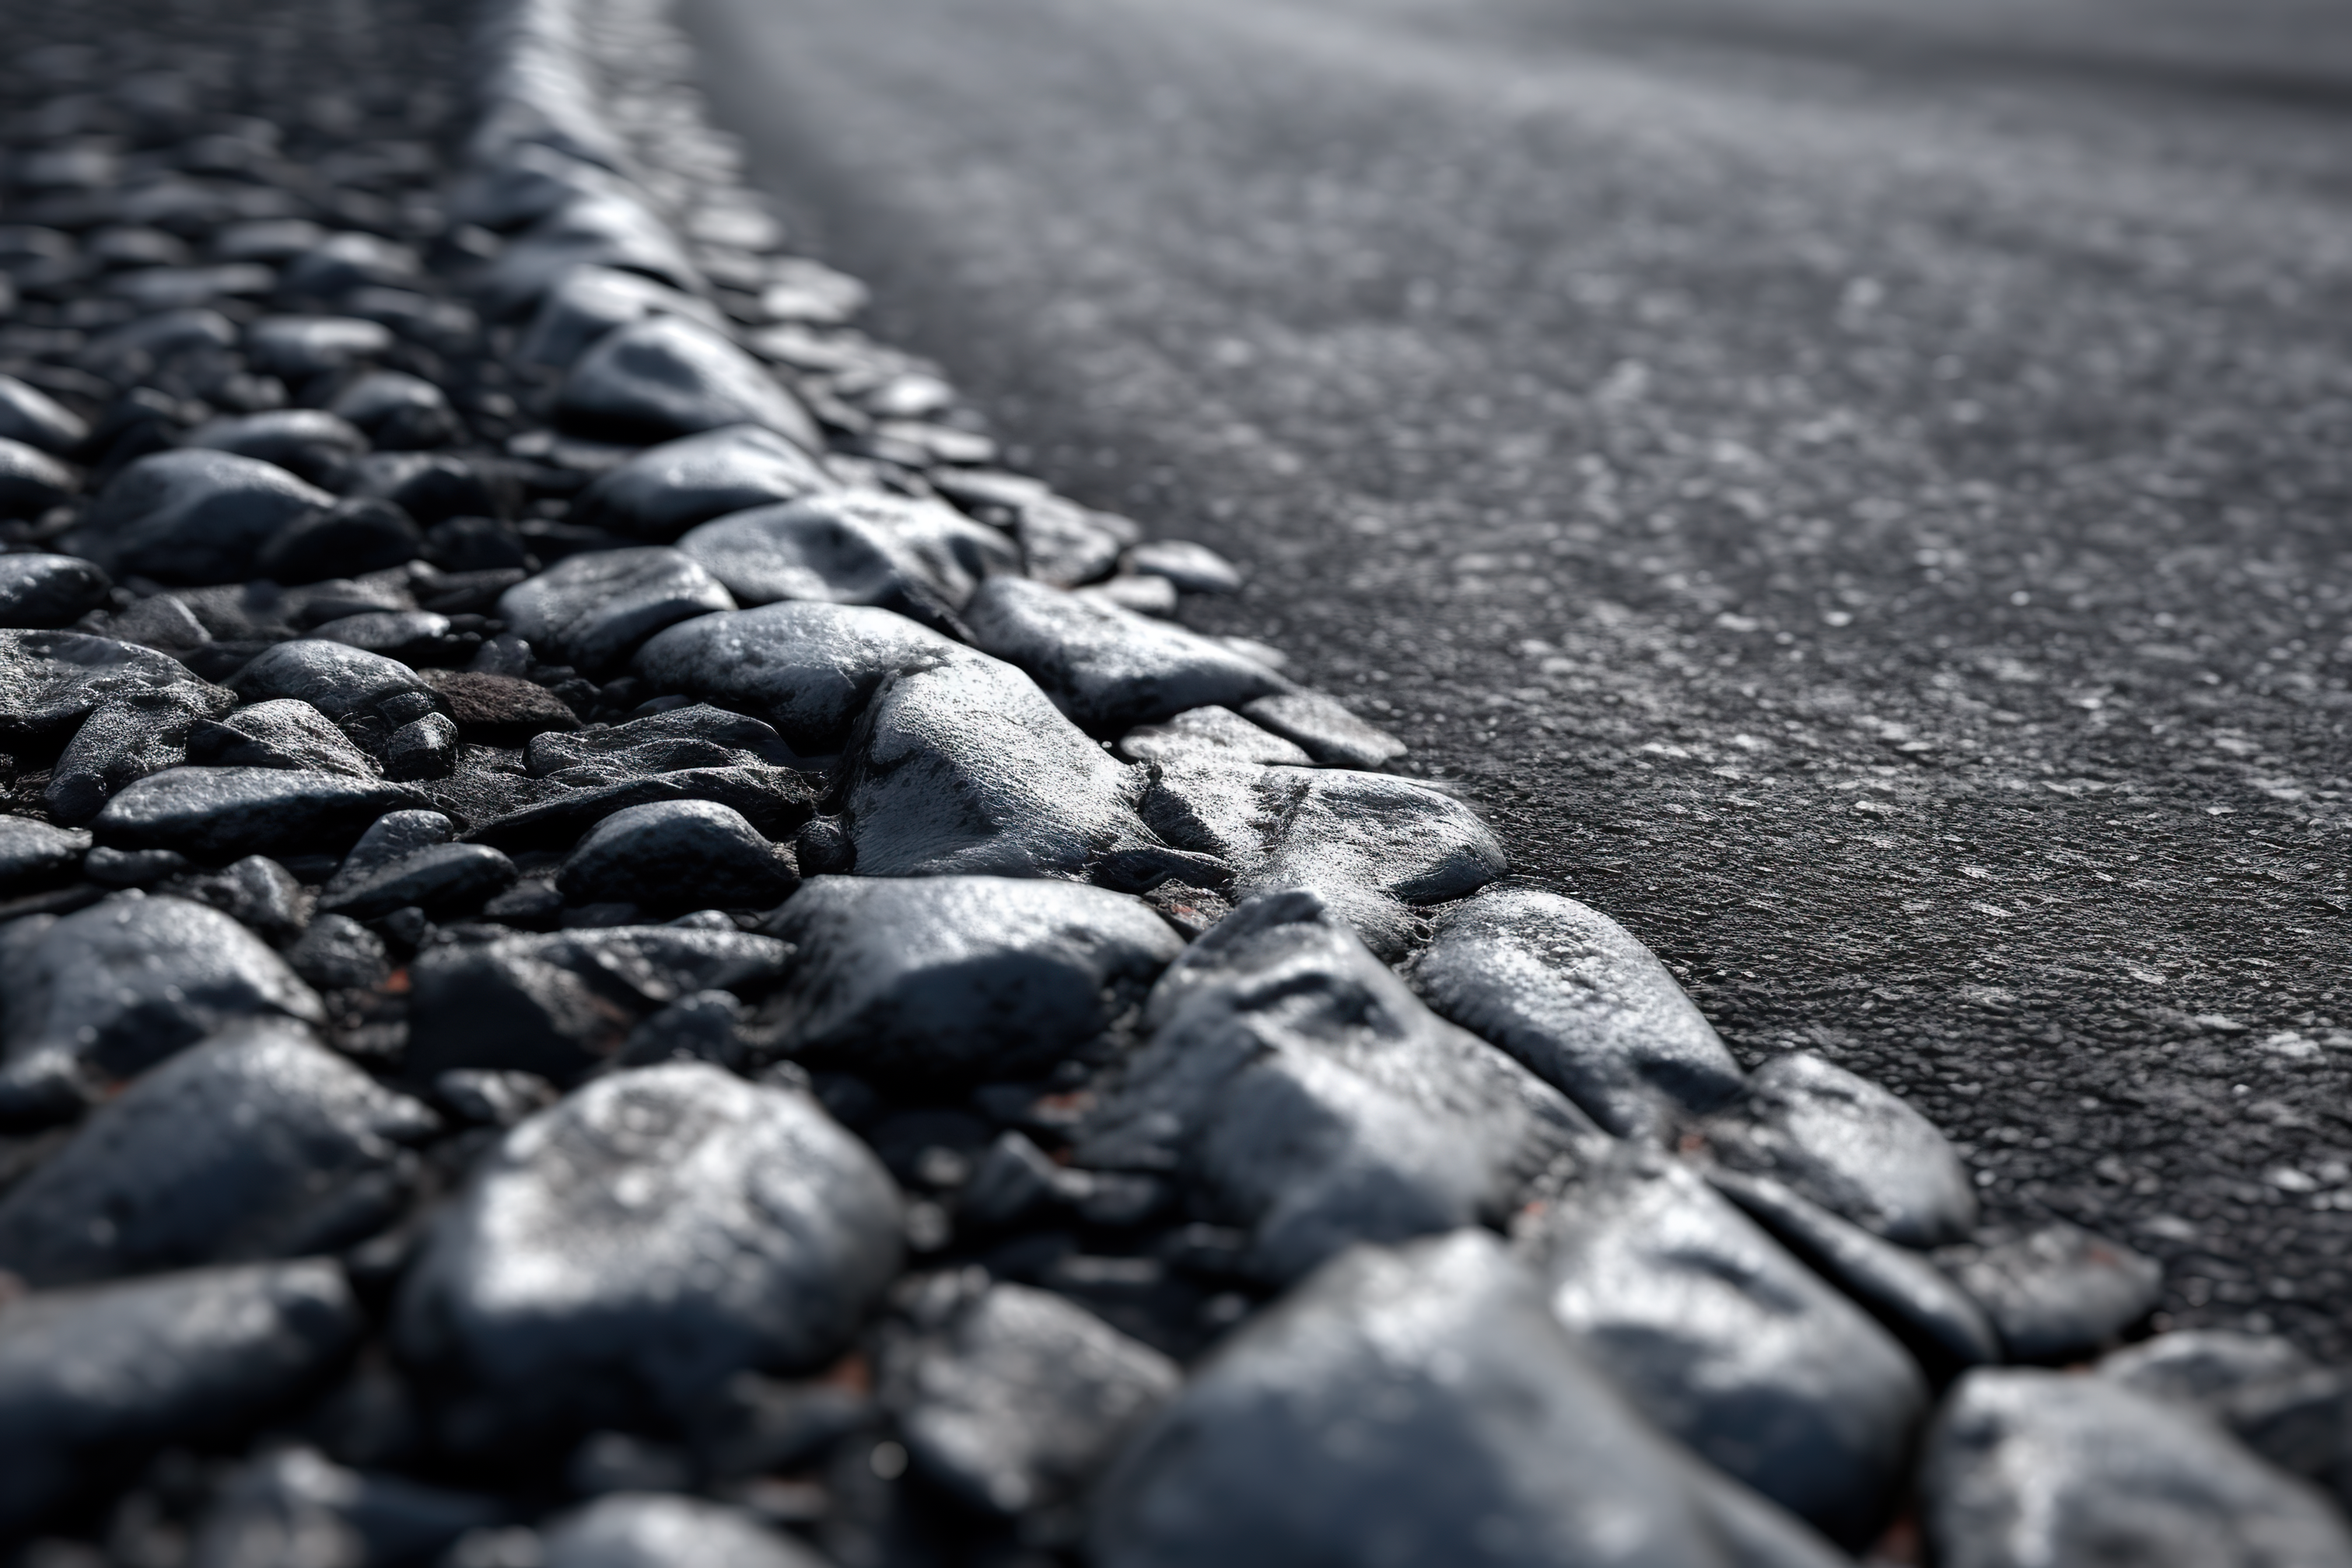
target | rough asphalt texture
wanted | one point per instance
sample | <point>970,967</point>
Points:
<point>1858,494</point>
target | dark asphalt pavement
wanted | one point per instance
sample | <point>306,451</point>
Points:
<point>1859,495</point>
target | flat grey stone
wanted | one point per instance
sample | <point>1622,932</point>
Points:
<point>1328,731</point>
<point>1023,1397</point>
<point>1064,544</point>
<point>125,739</point>
<point>1106,667</point>
<point>1588,1008</point>
<point>278,732</point>
<point>592,611</point>
<point>191,516</point>
<point>695,736</point>
<point>945,979</point>
<point>1192,568</point>
<point>677,855</point>
<point>397,635</point>
<point>500,710</point>
<point>42,592</point>
<point>1728,1343</point>
<point>808,668</point>
<point>661,1529</point>
<point>400,412</point>
<point>308,442</point>
<point>2057,1293</point>
<point>664,377</point>
<point>1418,1404</point>
<point>94,1380</point>
<point>49,682</point>
<point>588,301</point>
<point>608,227</point>
<point>819,550</point>
<point>665,490</point>
<point>33,417</point>
<point>652,1234</point>
<point>131,979</point>
<point>442,879</point>
<point>257,1143</point>
<point>553,813</point>
<point>1301,1090</point>
<point>1208,731</point>
<point>2039,1469</point>
<point>344,262</point>
<point>36,855</point>
<point>302,346</point>
<point>1851,1147</point>
<point>338,953</point>
<point>159,621</point>
<point>367,695</point>
<point>224,814</point>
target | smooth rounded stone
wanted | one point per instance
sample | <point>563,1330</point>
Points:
<point>33,417</point>
<point>558,1005</point>
<point>159,621</point>
<point>132,867</point>
<point>2057,1293</point>
<point>34,855</point>
<point>399,411</point>
<point>267,239</point>
<point>421,749</point>
<point>257,1143</point>
<point>51,682</point>
<point>1208,731</point>
<point>222,814</point>
<point>2204,1366</point>
<point>31,481</point>
<point>430,487</point>
<point>367,695</point>
<point>527,813</point>
<point>1109,668</point>
<point>256,892</point>
<point>344,262</point>
<point>356,535</point>
<point>1851,1147</point>
<point>608,228</point>
<point>664,491</point>
<point>278,732</point>
<point>1587,1007</point>
<point>1144,595</point>
<point>656,1232</point>
<point>1918,1303</point>
<point>661,1529</point>
<point>293,1509</point>
<point>1330,734</point>
<point>394,835</point>
<point>303,346</point>
<point>1064,544</point>
<point>38,593</point>
<point>391,633</point>
<point>2027,1469</point>
<point>1022,1397</point>
<point>191,516</point>
<point>664,377</point>
<point>806,667</point>
<point>94,1380</point>
<point>588,301</point>
<point>1299,1088</point>
<point>308,442</point>
<point>947,979</point>
<point>1725,1341</point>
<point>338,953</point>
<point>442,879</point>
<point>677,855</point>
<point>1371,845</point>
<point>131,979</point>
<point>1419,1404</point>
<point>500,710</point>
<point>124,739</point>
<point>694,736</point>
<point>818,550</point>
<point>1194,568</point>
<point>592,611</point>
<point>166,338</point>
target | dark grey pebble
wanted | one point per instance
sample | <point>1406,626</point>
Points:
<point>2059,1292</point>
<point>160,621</point>
<point>677,855</point>
<point>343,263</point>
<point>31,481</point>
<point>257,1144</point>
<point>1022,1397</point>
<point>430,487</point>
<point>129,981</point>
<point>947,979</point>
<point>278,732</point>
<point>1299,1088</point>
<point>50,682</point>
<point>399,411</point>
<point>665,377</point>
<point>657,1232</point>
<point>1727,1341</point>
<point>1106,667</point>
<point>125,739</point>
<point>664,491</point>
<point>1851,1147</point>
<point>806,667</point>
<point>256,892</point>
<point>294,1509</point>
<point>367,695</point>
<point>1326,729</point>
<point>132,867</point>
<point>2027,1469</point>
<point>336,953</point>
<point>588,301</point>
<point>664,1529</point>
<point>441,879</point>
<point>818,550</point>
<point>310,443</point>
<point>1211,732</point>
<point>553,813</point>
<point>593,610</point>
<point>356,535</point>
<point>423,748</point>
<point>696,735</point>
<point>1419,1404</point>
<point>93,1380</point>
<point>221,813</point>
<point>191,516</point>
<point>1592,1011</point>
<point>1064,544</point>
<point>304,346</point>
<point>33,417</point>
<point>1192,568</point>
<point>35,854</point>
<point>607,227</point>
<point>405,636</point>
<point>41,592</point>
<point>500,710</point>
<point>2205,1367</point>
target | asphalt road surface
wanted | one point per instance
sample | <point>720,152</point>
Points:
<point>1857,491</point>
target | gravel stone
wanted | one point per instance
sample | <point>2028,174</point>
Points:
<point>422,748</point>
<point>338,953</point>
<point>126,739</point>
<point>818,550</point>
<point>655,1530</point>
<point>302,346</point>
<point>31,481</point>
<point>256,1144</point>
<point>665,377</point>
<point>32,417</point>
<point>224,814</point>
<point>43,592</point>
<point>587,302</point>
<point>601,228</point>
<point>442,879</point>
<point>310,443</point>
<point>399,411</point>
<point>430,487</point>
<point>949,979</point>
<point>695,736</point>
<point>675,855</point>
<point>655,1234</point>
<point>1329,731</point>
<point>593,611</point>
<point>367,695</point>
<point>280,732</point>
<point>2057,1293</point>
<point>806,668</point>
<point>1588,1009</point>
<point>2204,1366</point>
<point>1216,732</point>
<point>35,854</point>
<point>664,491</point>
<point>343,263</point>
<point>191,516</point>
<point>401,636</point>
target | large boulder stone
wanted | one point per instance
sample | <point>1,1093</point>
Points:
<point>192,516</point>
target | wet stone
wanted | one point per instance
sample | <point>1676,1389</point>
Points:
<point>278,732</point>
<point>93,1380</point>
<point>257,1144</point>
<point>191,516</point>
<point>2204,1366</point>
<point>31,481</point>
<point>405,636</point>
<point>2027,1469</point>
<point>298,347</point>
<point>500,710</point>
<point>39,592</point>
<point>50,682</point>
<point>126,739</point>
<point>367,695</point>
<point>819,550</point>
<point>1728,1343</point>
<point>338,953</point>
<point>256,892</point>
<point>294,1509</point>
<point>955,979</point>
<point>605,227</point>
<point>1588,1008</point>
<point>1109,668</point>
<point>132,867</point>
<point>1022,1397</point>
<point>664,491</point>
<point>674,855</point>
<point>442,879</point>
<point>2057,1293</point>
<point>430,487</point>
<point>32,417</point>
<point>1144,595</point>
<point>129,981</point>
<point>160,621</point>
<point>310,443</point>
<point>1064,544</point>
<point>422,748</point>
<point>629,1250</point>
<point>664,377</point>
<point>593,610</point>
<point>528,813</point>
<point>694,736</point>
<point>1208,731</point>
<point>1850,1146</point>
<point>1298,1089</point>
<point>219,814</point>
<point>656,1530</point>
<point>399,411</point>
<point>587,302</point>
<point>1326,729</point>
<point>1192,568</point>
<point>1477,1433</point>
<point>35,854</point>
<point>344,262</point>
<point>806,668</point>
<point>354,536</point>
